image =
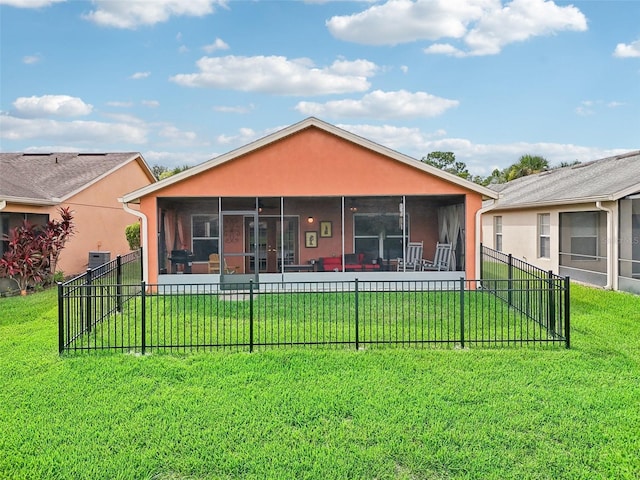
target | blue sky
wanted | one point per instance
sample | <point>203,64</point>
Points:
<point>183,81</point>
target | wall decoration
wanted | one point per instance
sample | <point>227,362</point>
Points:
<point>311,239</point>
<point>326,230</point>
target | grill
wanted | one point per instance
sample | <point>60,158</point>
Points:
<point>181,261</point>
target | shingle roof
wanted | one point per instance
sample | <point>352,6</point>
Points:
<point>605,179</point>
<point>54,176</point>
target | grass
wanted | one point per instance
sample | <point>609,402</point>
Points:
<point>527,413</point>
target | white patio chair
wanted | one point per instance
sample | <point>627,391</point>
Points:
<point>413,262</point>
<point>441,259</point>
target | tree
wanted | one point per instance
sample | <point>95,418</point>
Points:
<point>447,161</point>
<point>33,251</point>
<point>526,165</point>
<point>569,164</point>
<point>161,172</point>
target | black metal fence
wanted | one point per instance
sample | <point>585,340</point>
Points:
<point>538,294</point>
<point>88,299</point>
<point>353,314</point>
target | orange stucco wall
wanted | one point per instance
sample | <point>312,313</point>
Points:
<point>313,163</point>
<point>99,218</point>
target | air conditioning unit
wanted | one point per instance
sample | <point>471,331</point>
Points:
<point>97,259</point>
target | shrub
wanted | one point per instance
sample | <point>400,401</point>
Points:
<point>33,252</point>
<point>132,233</point>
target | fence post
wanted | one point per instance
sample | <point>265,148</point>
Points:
<point>567,311</point>
<point>60,319</point>
<point>118,283</point>
<point>143,312</point>
<point>481,261</point>
<point>357,323</point>
<point>87,298</point>
<point>250,316</point>
<point>510,280</point>
<point>461,312</point>
<point>552,306</point>
<point>141,265</point>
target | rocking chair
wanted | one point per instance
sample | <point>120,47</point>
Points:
<point>441,259</point>
<point>413,262</point>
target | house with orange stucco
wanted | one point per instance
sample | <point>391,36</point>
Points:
<point>311,201</point>
<point>33,186</point>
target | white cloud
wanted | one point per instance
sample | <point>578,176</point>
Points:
<point>591,107</point>
<point>403,21</point>
<point>584,111</point>
<point>30,3</point>
<point>80,132</point>
<point>279,75</point>
<point>481,159</point>
<point>119,104</point>
<point>177,136</point>
<point>381,105</point>
<point>234,109</point>
<point>140,75</point>
<point>151,103</point>
<point>631,50</point>
<point>218,44</point>
<point>31,59</point>
<point>485,26</point>
<point>54,148</point>
<point>51,105</point>
<point>244,136</point>
<point>519,21</point>
<point>134,14</point>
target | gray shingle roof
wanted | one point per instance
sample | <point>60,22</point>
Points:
<point>54,176</point>
<point>605,179</point>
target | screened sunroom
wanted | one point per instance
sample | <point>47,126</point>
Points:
<point>629,244</point>
<point>583,246</point>
<point>246,238</point>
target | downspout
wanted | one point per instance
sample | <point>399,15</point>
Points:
<point>479,214</point>
<point>3,204</point>
<point>144,240</point>
<point>612,251</point>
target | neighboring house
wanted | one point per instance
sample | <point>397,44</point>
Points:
<point>582,221</point>
<point>309,201</point>
<point>34,186</point>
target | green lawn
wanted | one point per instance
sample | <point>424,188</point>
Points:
<point>324,413</point>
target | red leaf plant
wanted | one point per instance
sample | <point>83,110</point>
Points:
<point>33,251</point>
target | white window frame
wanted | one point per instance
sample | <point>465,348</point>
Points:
<point>195,238</point>
<point>497,232</point>
<point>591,235</point>
<point>544,235</point>
<point>380,243</point>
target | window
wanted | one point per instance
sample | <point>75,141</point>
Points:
<point>544,238</point>
<point>378,235</point>
<point>204,236</point>
<point>584,236</point>
<point>497,232</point>
<point>4,230</point>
